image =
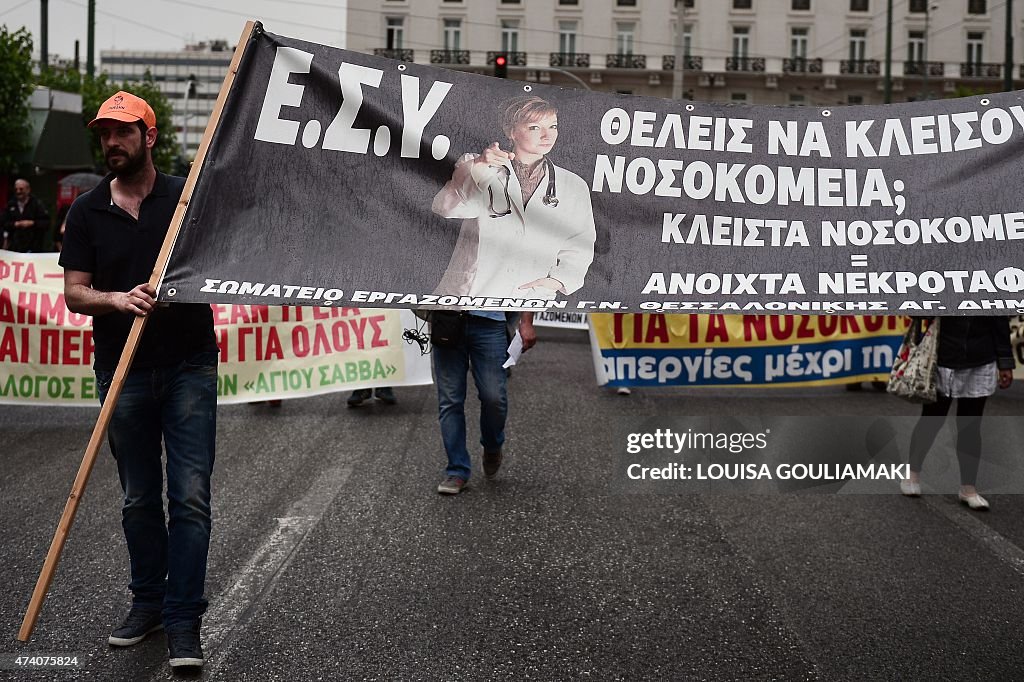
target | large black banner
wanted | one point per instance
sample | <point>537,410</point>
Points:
<point>341,178</point>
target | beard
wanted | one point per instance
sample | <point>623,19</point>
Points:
<point>124,164</point>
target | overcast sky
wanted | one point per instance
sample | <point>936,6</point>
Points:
<point>170,24</point>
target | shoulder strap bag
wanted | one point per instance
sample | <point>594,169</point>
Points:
<point>913,376</point>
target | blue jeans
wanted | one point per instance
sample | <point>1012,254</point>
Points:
<point>482,351</point>
<point>176,404</point>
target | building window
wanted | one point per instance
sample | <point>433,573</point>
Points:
<point>740,97</point>
<point>567,37</point>
<point>858,5</point>
<point>568,2</point>
<point>855,99</point>
<point>858,44</point>
<point>796,100</point>
<point>687,4</point>
<point>976,7</point>
<point>395,33</point>
<point>740,41</point>
<point>798,42</point>
<point>625,3</point>
<point>915,46</point>
<point>509,35</point>
<point>510,2</point>
<point>975,47</point>
<point>742,4</point>
<point>687,39</point>
<point>625,34</point>
<point>801,5</point>
<point>452,34</point>
<point>918,6</point>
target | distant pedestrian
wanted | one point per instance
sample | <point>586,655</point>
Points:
<point>974,358</point>
<point>26,220</point>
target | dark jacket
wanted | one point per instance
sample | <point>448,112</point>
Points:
<point>966,342</point>
<point>28,239</point>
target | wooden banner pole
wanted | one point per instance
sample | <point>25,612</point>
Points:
<point>127,355</point>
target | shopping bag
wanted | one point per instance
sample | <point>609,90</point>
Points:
<point>913,376</point>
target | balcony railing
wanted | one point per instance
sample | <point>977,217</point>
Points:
<point>514,58</point>
<point>691,63</point>
<point>626,61</point>
<point>981,70</point>
<point>395,53</point>
<point>801,65</point>
<point>571,59</point>
<point>865,67</point>
<point>918,68</point>
<point>753,64</point>
<point>460,57</point>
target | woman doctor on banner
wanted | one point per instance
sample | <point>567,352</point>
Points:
<point>528,225</point>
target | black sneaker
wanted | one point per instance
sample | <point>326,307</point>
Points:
<point>385,395</point>
<point>492,462</point>
<point>359,395</point>
<point>184,648</point>
<point>139,623</point>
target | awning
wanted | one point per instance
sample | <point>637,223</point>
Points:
<point>60,141</point>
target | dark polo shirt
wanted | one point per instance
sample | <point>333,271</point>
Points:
<point>120,252</point>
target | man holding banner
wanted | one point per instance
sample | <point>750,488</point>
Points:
<point>481,347</point>
<point>114,234</point>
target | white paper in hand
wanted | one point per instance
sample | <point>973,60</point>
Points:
<point>515,351</point>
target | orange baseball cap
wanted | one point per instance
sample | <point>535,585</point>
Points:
<point>124,106</point>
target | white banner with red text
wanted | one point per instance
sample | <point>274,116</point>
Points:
<point>267,352</point>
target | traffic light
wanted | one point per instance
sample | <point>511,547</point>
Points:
<point>501,66</point>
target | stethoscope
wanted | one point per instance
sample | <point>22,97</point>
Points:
<point>549,196</point>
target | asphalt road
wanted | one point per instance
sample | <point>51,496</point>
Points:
<point>334,559</point>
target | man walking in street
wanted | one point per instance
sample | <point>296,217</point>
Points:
<point>26,220</point>
<point>481,348</point>
<point>113,237</point>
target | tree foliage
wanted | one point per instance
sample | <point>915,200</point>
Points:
<point>96,90</point>
<point>15,87</point>
<point>974,91</point>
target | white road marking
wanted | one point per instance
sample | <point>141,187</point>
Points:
<point>967,521</point>
<point>252,583</point>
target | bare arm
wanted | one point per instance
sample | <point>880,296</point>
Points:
<point>1005,378</point>
<point>82,298</point>
<point>527,331</point>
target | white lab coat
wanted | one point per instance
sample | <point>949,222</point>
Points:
<point>495,256</point>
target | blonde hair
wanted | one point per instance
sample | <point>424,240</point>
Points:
<point>524,109</point>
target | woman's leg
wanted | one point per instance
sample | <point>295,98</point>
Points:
<point>968,441</point>
<point>925,431</point>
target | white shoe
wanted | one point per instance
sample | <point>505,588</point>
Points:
<point>975,501</point>
<point>910,488</point>
<point>623,390</point>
